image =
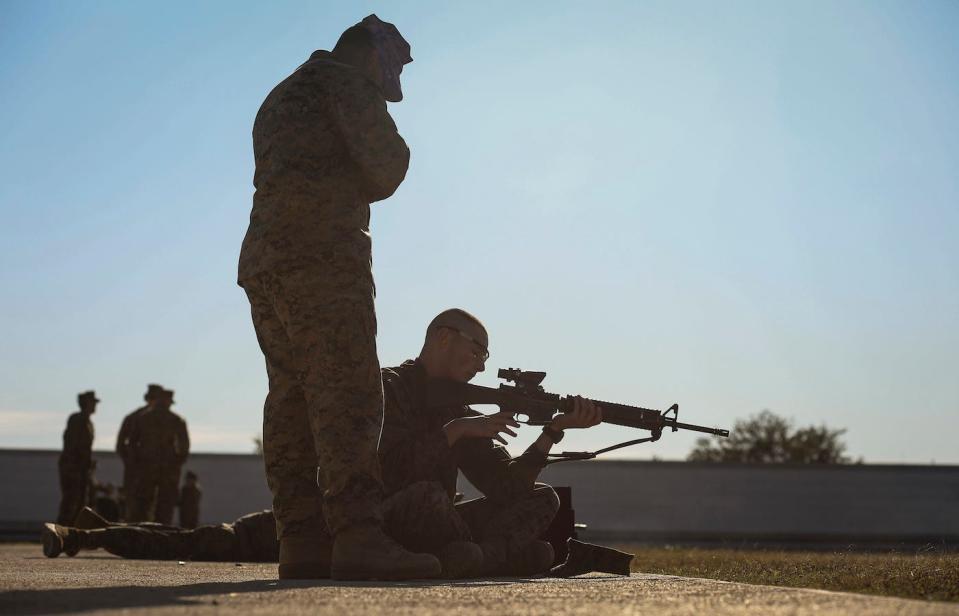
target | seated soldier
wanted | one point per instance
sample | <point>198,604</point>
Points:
<point>421,450</point>
<point>251,538</point>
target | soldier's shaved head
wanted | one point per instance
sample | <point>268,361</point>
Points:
<point>456,345</point>
<point>459,320</point>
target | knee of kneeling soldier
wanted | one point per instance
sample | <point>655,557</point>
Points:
<point>547,496</point>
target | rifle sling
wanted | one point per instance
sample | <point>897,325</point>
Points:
<point>569,456</point>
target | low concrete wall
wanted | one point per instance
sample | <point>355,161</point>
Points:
<point>652,501</point>
<point>233,484</point>
<point>677,500</point>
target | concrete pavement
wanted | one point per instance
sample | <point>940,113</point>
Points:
<point>96,582</point>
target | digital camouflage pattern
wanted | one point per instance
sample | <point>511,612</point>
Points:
<point>325,148</point>
<point>251,538</point>
<point>420,472</point>
<point>74,466</point>
<point>159,444</point>
<point>422,517</point>
<point>324,407</point>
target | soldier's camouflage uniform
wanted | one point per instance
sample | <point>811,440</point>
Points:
<point>123,450</point>
<point>74,466</point>
<point>251,538</point>
<point>159,445</point>
<point>420,472</point>
<point>325,148</point>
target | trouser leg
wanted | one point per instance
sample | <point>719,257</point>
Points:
<point>214,543</point>
<point>289,453</point>
<point>421,517</point>
<point>73,490</point>
<point>324,375</point>
<point>504,529</point>
<point>143,501</point>
<point>138,542</point>
<point>168,487</point>
<point>128,509</point>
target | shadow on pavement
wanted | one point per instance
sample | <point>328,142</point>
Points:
<point>68,600</point>
<point>72,600</point>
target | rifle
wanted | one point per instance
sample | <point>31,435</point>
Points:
<point>527,398</point>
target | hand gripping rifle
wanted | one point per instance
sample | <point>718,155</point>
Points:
<point>526,398</point>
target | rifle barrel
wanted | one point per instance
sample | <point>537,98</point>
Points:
<point>647,419</point>
<point>695,428</point>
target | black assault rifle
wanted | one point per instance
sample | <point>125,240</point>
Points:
<point>526,398</point>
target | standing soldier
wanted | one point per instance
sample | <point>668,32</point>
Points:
<point>190,495</point>
<point>159,446</point>
<point>325,148</point>
<point>75,461</point>
<point>123,445</point>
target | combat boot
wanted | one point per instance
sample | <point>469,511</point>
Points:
<point>90,519</point>
<point>304,558</point>
<point>587,557</point>
<point>364,552</point>
<point>57,539</point>
<point>461,559</point>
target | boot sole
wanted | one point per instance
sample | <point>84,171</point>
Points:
<point>52,544</point>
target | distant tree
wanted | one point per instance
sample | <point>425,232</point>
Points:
<point>769,438</point>
<point>258,445</point>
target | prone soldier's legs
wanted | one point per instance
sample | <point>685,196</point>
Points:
<point>213,543</point>
<point>138,542</point>
<point>147,541</point>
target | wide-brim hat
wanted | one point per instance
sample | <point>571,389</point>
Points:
<point>87,396</point>
<point>153,390</point>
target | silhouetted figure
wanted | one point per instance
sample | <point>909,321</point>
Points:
<point>190,495</point>
<point>123,439</point>
<point>325,148</point>
<point>159,445</point>
<point>75,461</point>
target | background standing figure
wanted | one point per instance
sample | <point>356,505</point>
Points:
<point>189,504</point>
<point>123,445</point>
<point>159,445</point>
<point>75,460</point>
<point>326,147</point>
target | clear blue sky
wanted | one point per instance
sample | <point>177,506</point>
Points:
<point>734,206</point>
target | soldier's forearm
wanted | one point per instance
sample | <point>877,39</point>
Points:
<point>543,443</point>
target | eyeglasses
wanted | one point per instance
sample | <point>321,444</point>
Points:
<point>480,356</point>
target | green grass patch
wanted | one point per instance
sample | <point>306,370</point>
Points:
<point>929,575</point>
